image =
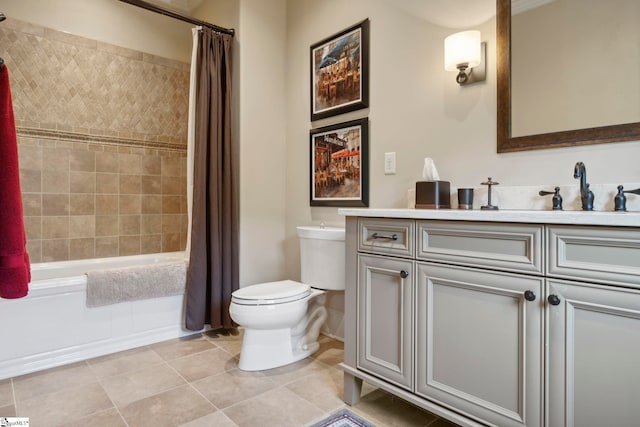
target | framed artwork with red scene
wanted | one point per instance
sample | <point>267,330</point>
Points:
<point>340,165</point>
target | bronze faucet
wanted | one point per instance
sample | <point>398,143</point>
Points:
<point>586,195</point>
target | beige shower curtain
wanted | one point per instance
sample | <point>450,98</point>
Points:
<point>212,274</point>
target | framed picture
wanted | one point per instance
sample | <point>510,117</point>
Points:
<point>340,165</point>
<point>340,72</point>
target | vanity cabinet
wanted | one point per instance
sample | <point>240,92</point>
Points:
<point>479,343</point>
<point>594,355</point>
<point>385,324</point>
<point>593,327</point>
<point>386,300</point>
<point>491,323</point>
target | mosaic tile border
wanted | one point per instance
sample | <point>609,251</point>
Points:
<point>96,139</point>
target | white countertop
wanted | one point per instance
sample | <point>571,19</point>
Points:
<point>621,219</point>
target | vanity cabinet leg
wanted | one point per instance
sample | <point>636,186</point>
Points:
<point>352,389</point>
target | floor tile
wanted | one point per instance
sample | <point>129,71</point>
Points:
<point>323,389</point>
<point>294,371</point>
<point>51,380</point>
<point>204,364</point>
<point>65,405</point>
<point>181,347</point>
<point>168,409</point>
<point>231,342</point>
<point>6,393</point>
<point>124,361</point>
<point>442,423</point>
<point>233,386</point>
<point>126,388</point>
<point>392,411</point>
<point>217,419</point>
<point>280,407</point>
<point>109,418</point>
<point>8,411</point>
<point>148,386</point>
<point>331,352</point>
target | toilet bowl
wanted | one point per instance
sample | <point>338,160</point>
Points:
<point>282,319</point>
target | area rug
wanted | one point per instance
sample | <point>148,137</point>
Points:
<point>344,418</point>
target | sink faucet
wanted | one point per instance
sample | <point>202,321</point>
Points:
<point>586,195</point>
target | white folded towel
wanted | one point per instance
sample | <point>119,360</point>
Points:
<point>116,285</point>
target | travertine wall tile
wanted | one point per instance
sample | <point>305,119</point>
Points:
<point>55,250</point>
<point>102,145</point>
<point>55,227</point>
<point>106,225</point>
<point>82,248</point>
<point>82,204</point>
<point>106,90</point>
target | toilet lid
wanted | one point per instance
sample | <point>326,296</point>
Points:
<point>271,293</point>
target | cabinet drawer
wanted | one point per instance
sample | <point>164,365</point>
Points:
<point>508,247</point>
<point>387,236</point>
<point>599,254</point>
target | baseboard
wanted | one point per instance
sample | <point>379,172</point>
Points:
<point>335,337</point>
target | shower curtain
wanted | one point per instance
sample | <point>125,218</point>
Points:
<point>212,274</point>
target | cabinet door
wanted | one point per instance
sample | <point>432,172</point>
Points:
<point>385,318</point>
<point>479,343</point>
<point>594,355</point>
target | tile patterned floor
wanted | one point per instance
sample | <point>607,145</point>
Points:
<point>195,382</point>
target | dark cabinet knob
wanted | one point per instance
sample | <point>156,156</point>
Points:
<point>553,299</point>
<point>529,295</point>
<point>404,274</point>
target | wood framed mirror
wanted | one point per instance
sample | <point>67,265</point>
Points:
<point>612,130</point>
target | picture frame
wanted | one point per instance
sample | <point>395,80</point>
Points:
<point>339,166</point>
<point>340,72</point>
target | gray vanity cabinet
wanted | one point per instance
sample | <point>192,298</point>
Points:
<point>496,323</point>
<point>593,328</point>
<point>480,299</point>
<point>385,324</point>
<point>594,355</point>
<point>479,343</point>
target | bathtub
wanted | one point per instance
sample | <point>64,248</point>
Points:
<point>52,325</point>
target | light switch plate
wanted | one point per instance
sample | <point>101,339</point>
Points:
<point>389,163</point>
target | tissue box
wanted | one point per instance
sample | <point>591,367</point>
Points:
<point>433,195</point>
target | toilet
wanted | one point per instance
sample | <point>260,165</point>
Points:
<point>282,319</point>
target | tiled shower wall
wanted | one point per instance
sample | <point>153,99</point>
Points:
<point>102,144</point>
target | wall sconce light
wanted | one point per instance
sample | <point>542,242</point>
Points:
<point>464,52</point>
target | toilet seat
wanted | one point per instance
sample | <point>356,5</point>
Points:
<point>271,293</point>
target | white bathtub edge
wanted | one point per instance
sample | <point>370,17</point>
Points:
<point>52,326</point>
<point>52,359</point>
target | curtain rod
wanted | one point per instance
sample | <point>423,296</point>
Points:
<point>179,16</point>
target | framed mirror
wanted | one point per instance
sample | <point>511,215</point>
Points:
<point>538,84</point>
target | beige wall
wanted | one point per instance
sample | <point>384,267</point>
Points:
<point>263,139</point>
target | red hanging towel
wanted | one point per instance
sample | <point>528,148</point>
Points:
<point>15,272</point>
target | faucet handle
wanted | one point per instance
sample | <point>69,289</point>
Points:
<point>556,200</point>
<point>620,200</point>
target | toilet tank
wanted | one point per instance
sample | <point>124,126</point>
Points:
<point>322,257</point>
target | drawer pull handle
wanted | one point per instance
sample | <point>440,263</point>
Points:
<point>392,237</point>
<point>404,274</point>
<point>553,299</point>
<point>529,295</point>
